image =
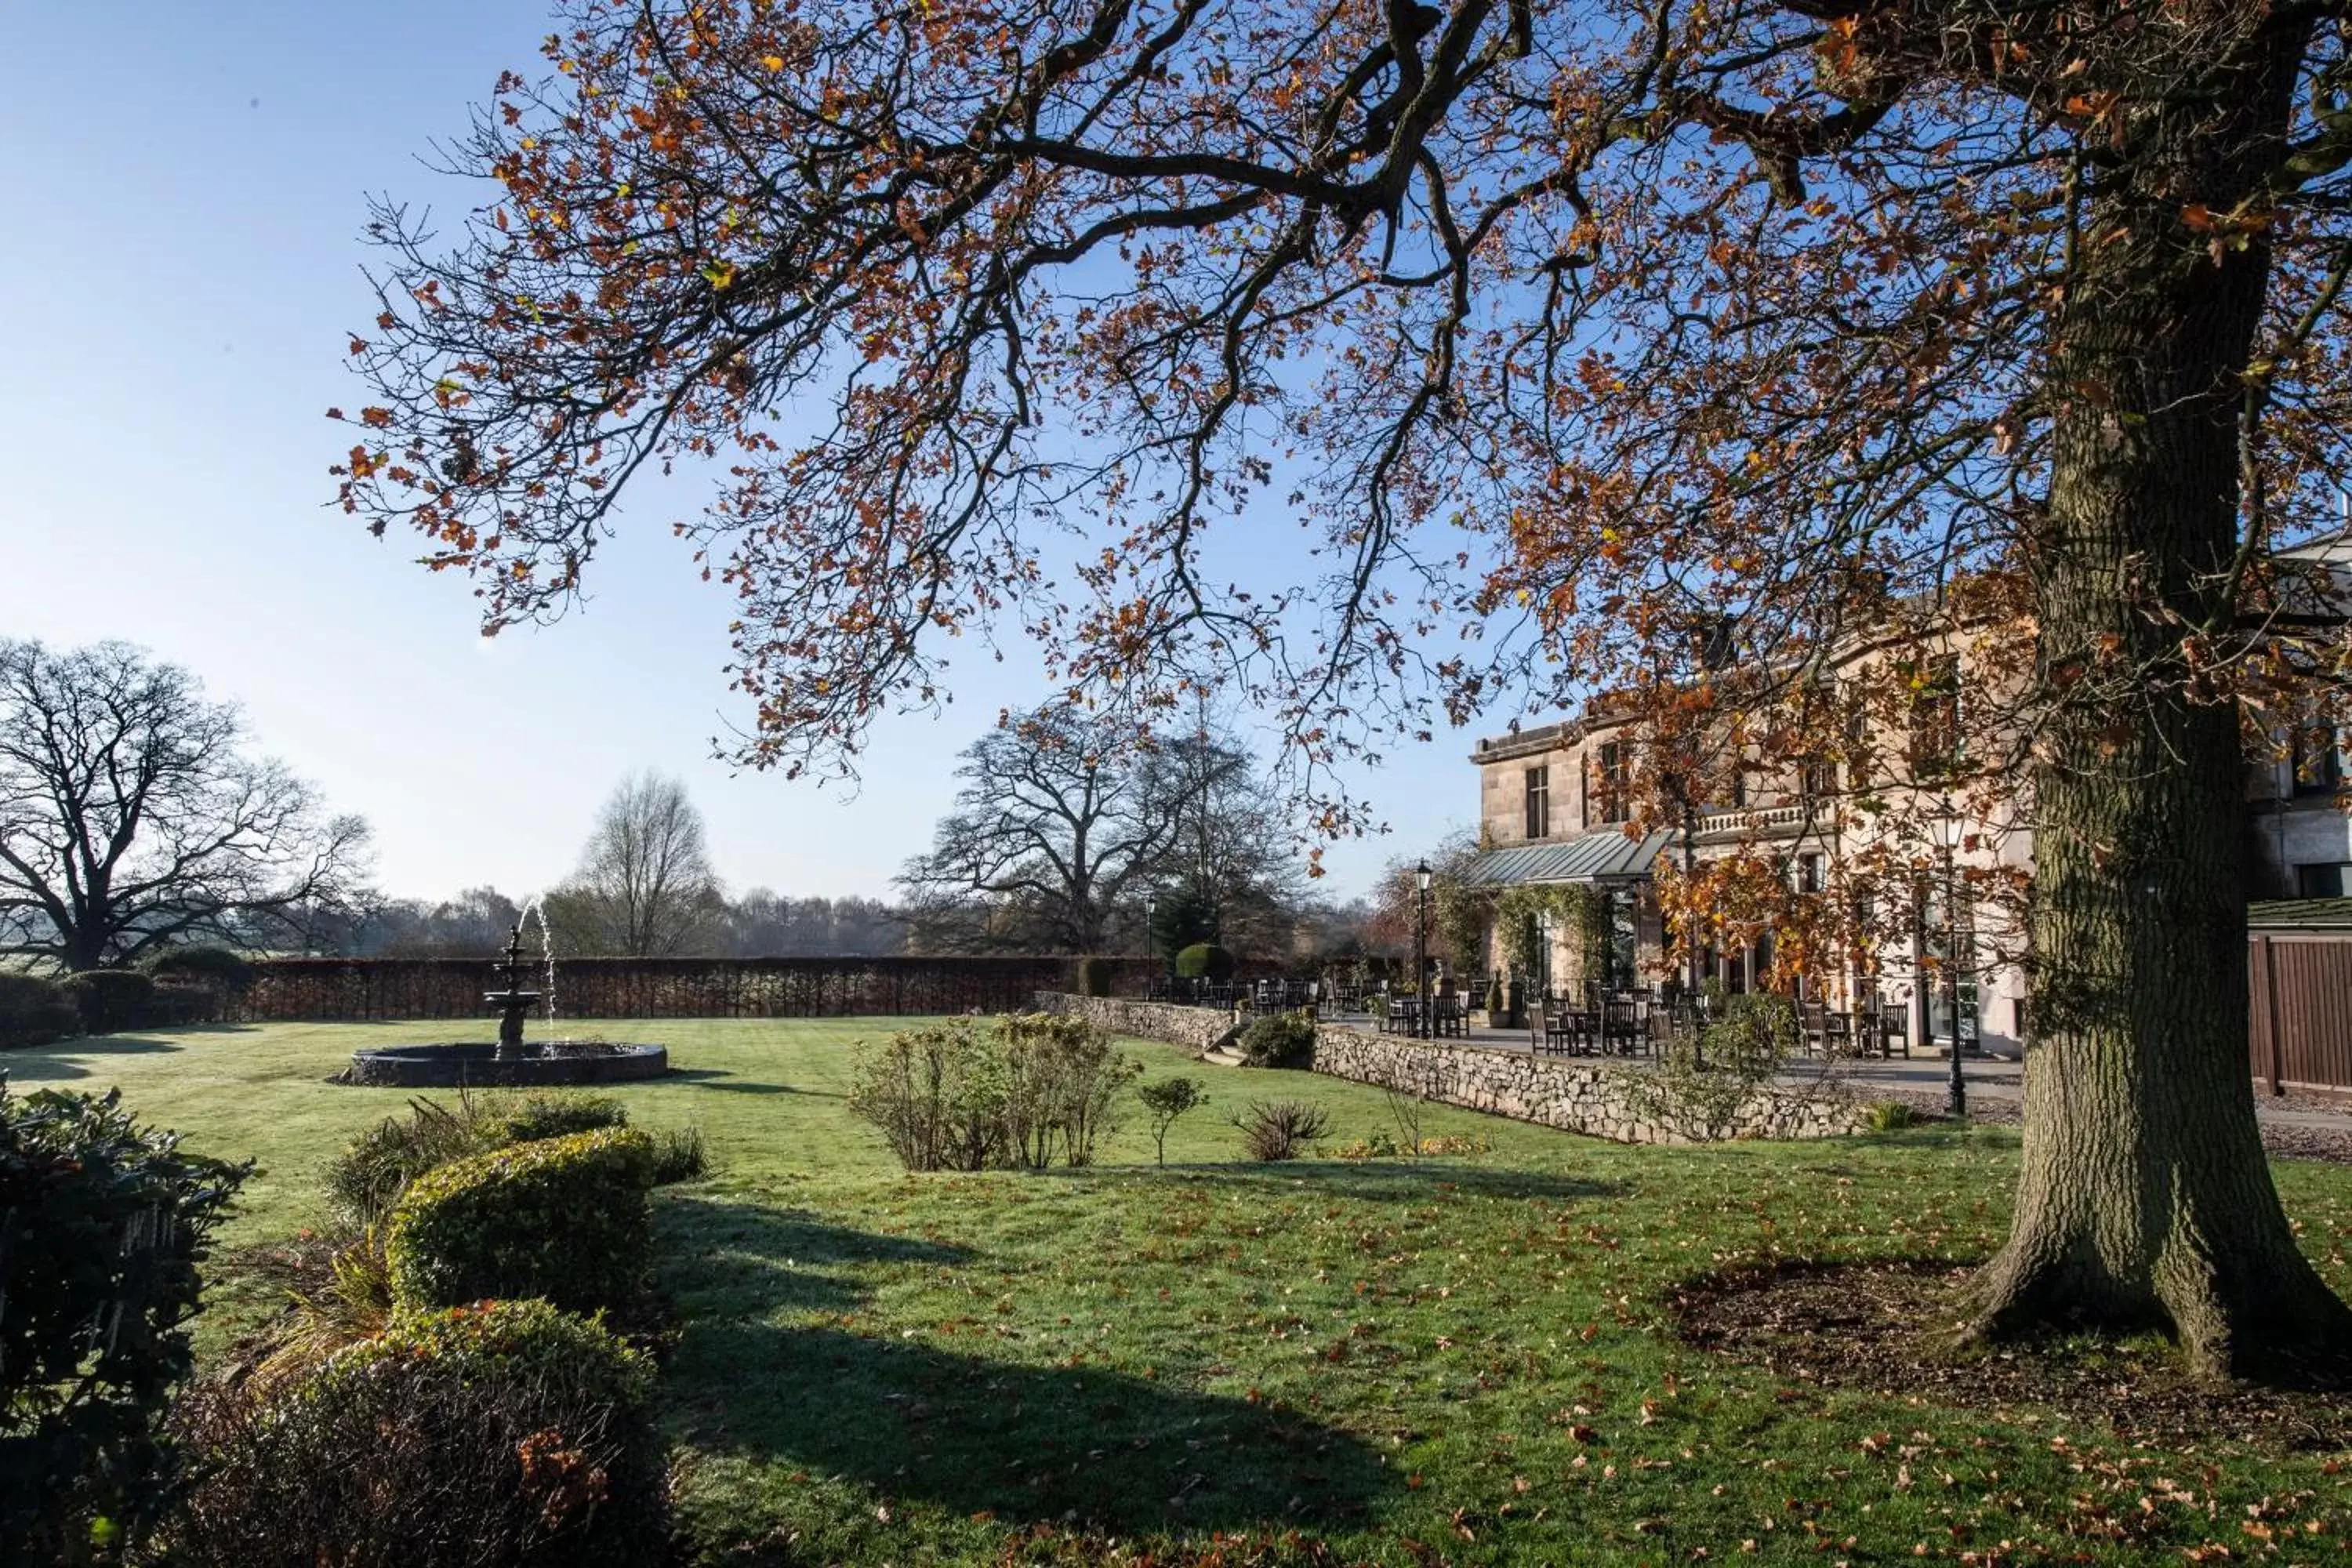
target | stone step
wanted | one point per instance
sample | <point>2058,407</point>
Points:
<point>1224,1057</point>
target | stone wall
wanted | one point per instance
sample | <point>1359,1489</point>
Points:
<point>1197,1029</point>
<point>1595,1098</point>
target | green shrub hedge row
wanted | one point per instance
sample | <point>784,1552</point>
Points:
<point>187,985</point>
<point>565,1220</point>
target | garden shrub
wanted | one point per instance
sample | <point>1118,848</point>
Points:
<point>523,1116</point>
<point>198,984</point>
<point>35,1010</point>
<point>202,964</point>
<point>1062,1080</point>
<point>1165,1099</point>
<point>368,1178</point>
<point>564,1218</point>
<point>679,1155</point>
<point>1280,1040</point>
<point>1706,1078</point>
<point>355,1305</point>
<point>937,1096</point>
<point>1891,1116</point>
<point>1280,1130</point>
<point>1094,977</point>
<point>505,1433</point>
<point>1204,960</point>
<point>1035,1088</point>
<point>102,1226</point>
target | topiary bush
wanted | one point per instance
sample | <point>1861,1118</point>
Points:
<point>1094,977</point>
<point>504,1433</point>
<point>564,1218</point>
<point>1280,1040</point>
<point>525,1116</point>
<point>216,969</point>
<point>35,1010</point>
<point>368,1178</point>
<point>102,1226</point>
<point>112,1000</point>
<point>1204,960</point>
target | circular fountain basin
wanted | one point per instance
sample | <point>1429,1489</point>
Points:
<point>476,1065</point>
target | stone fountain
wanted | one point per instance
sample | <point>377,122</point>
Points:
<point>511,1060</point>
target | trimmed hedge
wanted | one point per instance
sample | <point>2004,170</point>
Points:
<point>1204,960</point>
<point>216,967</point>
<point>1093,976</point>
<point>564,1218</point>
<point>504,1432</point>
<point>1280,1040</point>
<point>532,1115</point>
<point>112,1001</point>
<point>34,1012</point>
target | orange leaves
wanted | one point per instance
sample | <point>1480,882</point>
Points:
<point>376,418</point>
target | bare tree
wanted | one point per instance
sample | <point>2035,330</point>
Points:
<point>1057,819</point>
<point>132,817</point>
<point>645,885</point>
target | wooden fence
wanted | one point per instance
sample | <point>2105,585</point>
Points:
<point>2301,1030</point>
<point>380,989</point>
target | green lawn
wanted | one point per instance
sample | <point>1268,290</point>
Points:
<point>1462,1360</point>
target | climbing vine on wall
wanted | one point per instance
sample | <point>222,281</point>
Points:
<point>1576,907</point>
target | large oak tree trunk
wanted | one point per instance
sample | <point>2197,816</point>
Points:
<point>2145,1199</point>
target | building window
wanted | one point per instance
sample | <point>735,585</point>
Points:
<point>1738,786</point>
<point>1811,873</point>
<point>1538,802</point>
<point>2318,760</point>
<point>1818,779</point>
<point>1614,784</point>
<point>1936,715</point>
<point>2322,881</point>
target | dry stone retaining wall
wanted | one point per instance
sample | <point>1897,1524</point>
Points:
<point>1588,1097</point>
<point>1595,1098</point>
<point>1197,1029</point>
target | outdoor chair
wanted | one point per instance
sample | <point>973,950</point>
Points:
<point>1622,1018</point>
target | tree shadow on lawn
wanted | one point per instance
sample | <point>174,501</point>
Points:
<point>46,1064</point>
<point>743,1258</point>
<point>913,1420</point>
<point>720,1079</point>
<point>1106,1449</point>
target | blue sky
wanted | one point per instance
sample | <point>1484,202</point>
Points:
<point>178,272</point>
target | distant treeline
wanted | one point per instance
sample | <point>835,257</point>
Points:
<point>757,925</point>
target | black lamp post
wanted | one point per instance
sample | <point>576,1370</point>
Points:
<point>1420,875</point>
<point>1150,922</point>
<point>1957,1096</point>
